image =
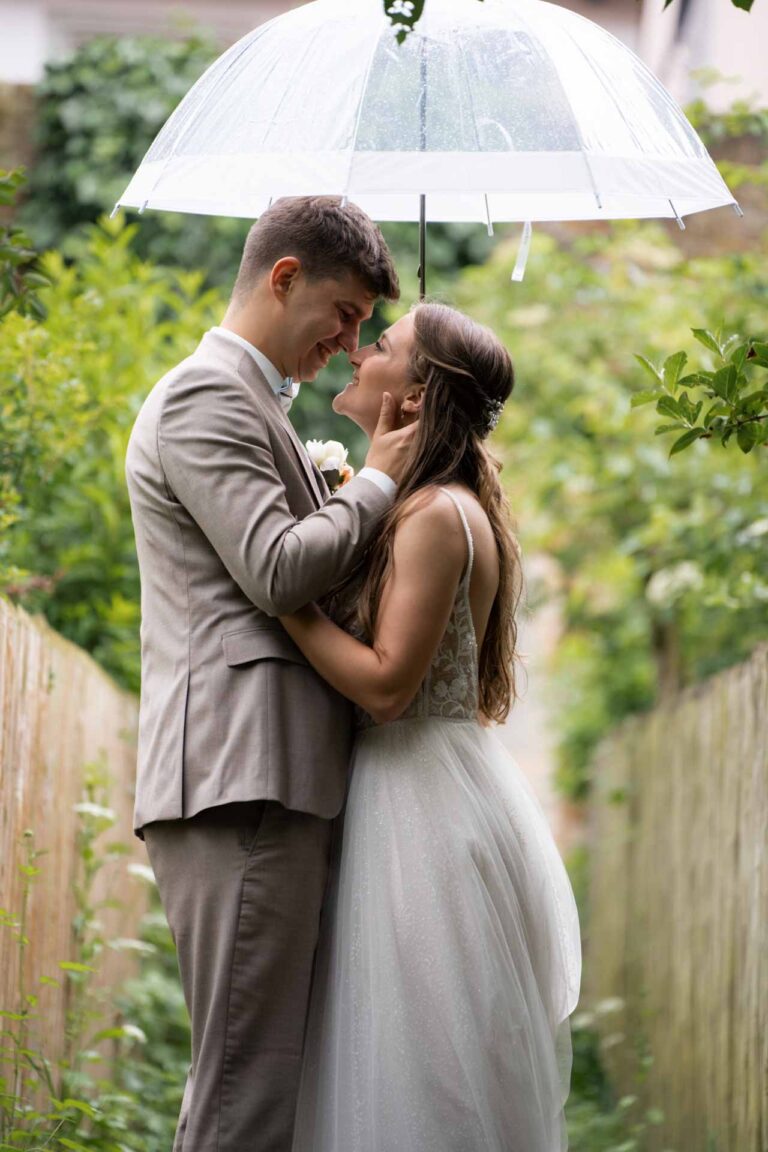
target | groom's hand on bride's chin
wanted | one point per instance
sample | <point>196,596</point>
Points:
<point>390,444</point>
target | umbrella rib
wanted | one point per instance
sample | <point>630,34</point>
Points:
<point>473,118</point>
<point>287,89</point>
<point>605,87</point>
<point>577,125</point>
<point>359,114</point>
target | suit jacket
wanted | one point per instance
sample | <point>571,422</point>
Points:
<point>233,527</point>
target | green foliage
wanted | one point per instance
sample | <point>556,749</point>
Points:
<point>98,112</point>
<point>662,561</point>
<point>20,276</point>
<point>70,389</point>
<point>727,399</point>
<point>46,1103</point>
<point>118,1086</point>
<point>742,118</point>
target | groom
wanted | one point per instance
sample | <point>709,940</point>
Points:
<point>243,750</point>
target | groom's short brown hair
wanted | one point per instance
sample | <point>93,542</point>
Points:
<point>328,238</point>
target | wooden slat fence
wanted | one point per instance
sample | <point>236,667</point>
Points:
<point>59,712</point>
<point>678,922</point>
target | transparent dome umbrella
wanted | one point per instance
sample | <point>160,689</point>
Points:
<point>501,110</point>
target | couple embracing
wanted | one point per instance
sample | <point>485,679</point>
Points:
<point>401,981</point>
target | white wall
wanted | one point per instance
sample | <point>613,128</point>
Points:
<point>714,36</point>
<point>24,45</point>
<point>35,31</point>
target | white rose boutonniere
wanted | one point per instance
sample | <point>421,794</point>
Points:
<point>331,458</point>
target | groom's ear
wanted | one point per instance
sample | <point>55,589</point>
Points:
<point>413,400</point>
<point>284,275</point>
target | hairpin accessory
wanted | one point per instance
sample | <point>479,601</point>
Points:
<point>491,416</point>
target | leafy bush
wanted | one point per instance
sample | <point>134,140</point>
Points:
<point>70,388</point>
<point>118,1085</point>
<point>735,402</point>
<point>662,561</point>
<point>20,278</point>
<point>98,112</point>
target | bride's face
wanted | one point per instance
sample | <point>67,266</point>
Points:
<point>378,368</point>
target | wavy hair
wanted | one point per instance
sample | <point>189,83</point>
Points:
<point>467,374</point>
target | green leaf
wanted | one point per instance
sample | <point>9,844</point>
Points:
<point>65,1142</point>
<point>747,435</point>
<point>78,1105</point>
<point>717,409</point>
<point>73,966</point>
<point>639,398</point>
<point>745,5</point>
<point>760,350</point>
<point>668,428</point>
<point>685,440</point>
<point>694,379</point>
<point>668,406</point>
<point>650,368</point>
<point>673,366</point>
<point>725,382</point>
<point>708,339</point>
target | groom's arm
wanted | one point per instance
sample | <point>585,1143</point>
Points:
<point>217,458</point>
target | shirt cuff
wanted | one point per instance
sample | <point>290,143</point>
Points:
<point>380,479</point>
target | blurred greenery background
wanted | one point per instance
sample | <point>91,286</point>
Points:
<point>661,562</point>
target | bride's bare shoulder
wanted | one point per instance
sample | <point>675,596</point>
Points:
<point>428,517</point>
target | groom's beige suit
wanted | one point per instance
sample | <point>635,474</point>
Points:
<point>243,749</point>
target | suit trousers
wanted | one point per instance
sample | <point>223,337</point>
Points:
<point>242,886</point>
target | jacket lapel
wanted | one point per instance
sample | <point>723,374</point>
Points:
<point>303,456</point>
<point>248,369</point>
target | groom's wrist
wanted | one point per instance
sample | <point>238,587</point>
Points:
<point>380,479</point>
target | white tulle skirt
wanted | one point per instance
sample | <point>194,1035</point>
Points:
<point>449,959</point>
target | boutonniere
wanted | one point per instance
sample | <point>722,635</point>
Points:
<point>331,458</point>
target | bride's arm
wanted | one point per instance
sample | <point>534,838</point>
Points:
<point>429,555</point>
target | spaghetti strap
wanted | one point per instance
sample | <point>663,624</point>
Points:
<point>468,534</point>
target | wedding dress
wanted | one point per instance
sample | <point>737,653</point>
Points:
<point>449,958</point>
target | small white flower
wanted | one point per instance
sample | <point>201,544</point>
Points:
<point>612,1041</point>
<point>142,871</point>
<point>754,530</point>
<point>133,1032</point>
<point>670,584</point>
<point>531,317</point>
<point>98,811</point>
<point>124,944</point>
<point>610,1004</point>
<point>401,8</point>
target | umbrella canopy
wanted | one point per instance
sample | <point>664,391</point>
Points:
<point>495,111</point>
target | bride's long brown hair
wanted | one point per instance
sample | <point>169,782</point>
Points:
<point>468,374</point>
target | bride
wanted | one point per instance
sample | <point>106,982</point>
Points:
<point>449,959</point>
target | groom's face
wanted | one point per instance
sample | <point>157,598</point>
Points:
<point>324,317</point>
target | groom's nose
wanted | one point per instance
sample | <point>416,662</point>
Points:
<point>349,336</point>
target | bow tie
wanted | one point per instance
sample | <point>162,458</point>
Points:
<point>287,392</point>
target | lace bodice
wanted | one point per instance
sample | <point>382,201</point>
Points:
<point>450,688</point>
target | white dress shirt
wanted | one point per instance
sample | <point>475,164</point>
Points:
<point>278,383</point>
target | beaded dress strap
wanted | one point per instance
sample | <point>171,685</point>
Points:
<point>468,534</point>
